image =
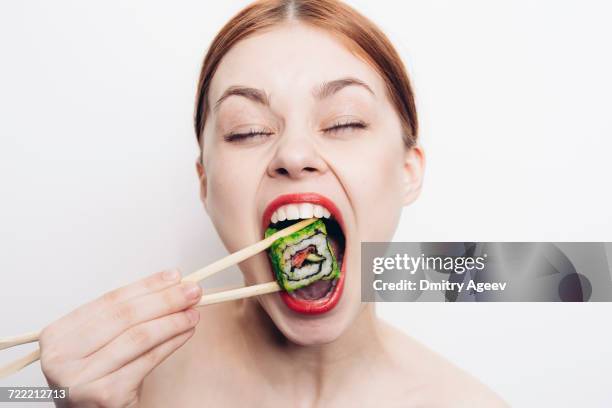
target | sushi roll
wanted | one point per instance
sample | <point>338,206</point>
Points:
<point>303,257</point>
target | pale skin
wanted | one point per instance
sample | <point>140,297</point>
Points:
<point>145,345</point>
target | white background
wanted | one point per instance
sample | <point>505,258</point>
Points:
<point>98,183</point>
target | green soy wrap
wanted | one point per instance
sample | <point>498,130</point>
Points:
<point>319,263</point>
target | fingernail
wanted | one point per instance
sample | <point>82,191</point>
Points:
<point>171,275</point>
<point>192,290</point>
<point>193,315</point>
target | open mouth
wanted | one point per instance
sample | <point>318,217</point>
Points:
<point>309,263</point>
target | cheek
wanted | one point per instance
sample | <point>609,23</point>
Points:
<point>373,174</point>
<point>232,182</point>
<point>380,199</point>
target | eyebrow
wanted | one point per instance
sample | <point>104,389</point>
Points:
<point>256,95</point>
<point>325,90</point>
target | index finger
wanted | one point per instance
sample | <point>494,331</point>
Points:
<point>152,283</point>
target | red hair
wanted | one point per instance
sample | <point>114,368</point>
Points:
<point>360,34</point>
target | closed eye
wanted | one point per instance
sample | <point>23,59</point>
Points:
<point>340,126</point>
<point>244,136</point>
<point>255,134</point>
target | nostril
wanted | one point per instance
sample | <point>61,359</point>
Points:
<point>282,171</point>
<point>288,171</point>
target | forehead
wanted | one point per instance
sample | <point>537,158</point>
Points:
<point>290,58</point>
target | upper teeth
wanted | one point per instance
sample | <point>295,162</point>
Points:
<point>299,211</point>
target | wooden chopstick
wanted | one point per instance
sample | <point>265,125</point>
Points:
<point>240,293</point>
<point>215,267</point>
<point>20,363</point>
<point>245,253</point>
<point>17,340</point>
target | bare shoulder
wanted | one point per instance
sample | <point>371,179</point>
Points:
<point>433,380</point>
<point>172,383</point>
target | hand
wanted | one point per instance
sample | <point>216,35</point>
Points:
<point>103,350</point>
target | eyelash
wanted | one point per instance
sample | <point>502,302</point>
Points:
<point>337,127</point>
<point>240,137</point>
<point>340,126</point>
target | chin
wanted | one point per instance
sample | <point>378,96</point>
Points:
<point>314,329</point>
<point>313,337</point>
<point>311,329</point>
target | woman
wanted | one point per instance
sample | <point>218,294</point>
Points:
<point>303,109</point>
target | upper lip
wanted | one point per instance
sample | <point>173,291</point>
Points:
<point>307,197</point>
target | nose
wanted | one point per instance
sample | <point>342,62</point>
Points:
<point>296,157</point>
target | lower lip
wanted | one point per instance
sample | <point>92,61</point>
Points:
<point>320,305</point>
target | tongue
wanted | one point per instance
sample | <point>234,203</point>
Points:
<point>315,290</point>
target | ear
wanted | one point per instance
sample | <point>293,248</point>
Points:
<point>414,169</point>
<point>202,178</point>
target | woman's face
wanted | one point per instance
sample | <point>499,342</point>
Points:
<point>293,111</point>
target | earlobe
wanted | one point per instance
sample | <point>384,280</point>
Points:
<point>202,179</point>
<point>414,168</point>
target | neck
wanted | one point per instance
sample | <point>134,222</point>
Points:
<point>307,369</point>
